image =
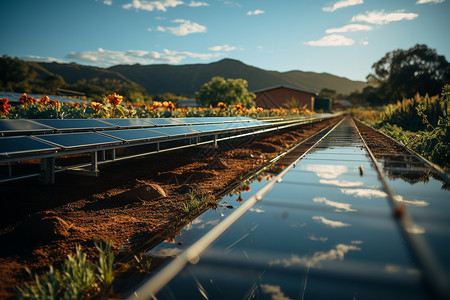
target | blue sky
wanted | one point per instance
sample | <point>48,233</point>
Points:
<point>343,38</point>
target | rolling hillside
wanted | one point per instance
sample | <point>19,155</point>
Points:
<point>187,79</point>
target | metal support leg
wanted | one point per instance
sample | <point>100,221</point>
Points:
<point>94,160</point>
<point>10,169</point>
<point>113,154</point>
<point>47,170</point>
<point>102,155</point>
<point>157,147</point>
<point>215,141</point>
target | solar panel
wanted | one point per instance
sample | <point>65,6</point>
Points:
<point>190,121</point>
<point>78,140</point>
<point>176,131</point>
<point>162,121</point>
<point>16,145</point>
<point>21,126</point>
<point>131,135</point>
<point>76,124</point>
<point>128,123</point>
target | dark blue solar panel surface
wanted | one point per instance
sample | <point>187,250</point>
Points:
<point>23,144</point>
<point>130,135</point>
<point>129,123</point>
<point>78,140</point>
<point>76,124</point>
<point>11,126</point>
<point>176,131</point>
<point>162,121</point>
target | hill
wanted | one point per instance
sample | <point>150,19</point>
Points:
<point>187,79</point>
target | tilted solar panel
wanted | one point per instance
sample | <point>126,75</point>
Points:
<point>176,130</point>
<point>76,124</point>
<point>16,145</point>
<point>162,121</point>
<point>129,123</point>
<point>132,135</point>
<point>78,140</point>
<point>22,126</point>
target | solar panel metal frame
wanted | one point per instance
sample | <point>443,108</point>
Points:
<point>163,122</point>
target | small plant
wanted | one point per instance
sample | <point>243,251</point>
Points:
<point>196,202</point>
<point>76,279</point>
<point>143,263</point>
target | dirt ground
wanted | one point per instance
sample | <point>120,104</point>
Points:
<point>132,201</point>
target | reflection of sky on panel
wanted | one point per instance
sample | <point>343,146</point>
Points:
<point>290,230</point>
<point>303,195</point>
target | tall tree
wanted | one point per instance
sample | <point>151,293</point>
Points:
<point>230,91</point>
<point>403,73</point>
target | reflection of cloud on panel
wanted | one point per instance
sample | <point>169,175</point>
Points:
<point>364,193</point>
<point>200,224</point>
<point>415,229</point>
<point>356,242</point>
<point>168,252</point>
<point>330,223</point>
<point>400,198</point>
<point>326,171</point>
<point>318,238</point>
<point>274,291</point>
<point>339,206</point>
<point>341,183</point>
<point>337,253</point>
<point>257,210</point>
<point>400,270</point>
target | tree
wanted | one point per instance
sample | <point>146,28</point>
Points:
<point>403,73</point>
<point>327,93</point>
<point>230,91</point>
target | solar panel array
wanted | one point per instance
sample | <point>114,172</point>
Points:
<point>24,139</point>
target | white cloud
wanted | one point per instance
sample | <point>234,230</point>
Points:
<point>364,42</point>
<point>381,17</point>
<point>331,40</point>
<point>107,2</point>
<point>429,1</point>
<point>364,193</point>
<point>321,238</point>
<point>185,28</point>
<point>222,48</point>
<point>341,183</point>
<point>339,206</point>
<point>42,59</point>
<point>350,27</point>
<point>342,4</point>
<point>274,291</point>
<point>326,171</point>
<point>107,58</point>
<point>331,223</point>
<point>197,4</point>
<point>337,253</point>
<point>152,5</point>
<point>255,12</point>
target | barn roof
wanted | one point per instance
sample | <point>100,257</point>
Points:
<point>284,86</point>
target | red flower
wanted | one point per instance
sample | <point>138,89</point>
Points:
<point>4,106</point>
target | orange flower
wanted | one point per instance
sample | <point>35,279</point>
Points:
<point>166,104</point>
<point>259,110</point>
<point>25,99</point>
<point>221,105</point>
<point>114,99</point>
<point>4,106</point>
<point>44,100</point>
<point>95,105</point>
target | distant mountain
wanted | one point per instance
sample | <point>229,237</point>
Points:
<point>72,72</point>
<point>187,79</point>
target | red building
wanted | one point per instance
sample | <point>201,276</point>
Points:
<point>284,96</point>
